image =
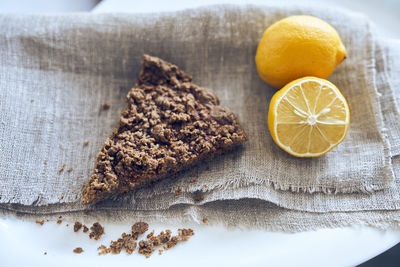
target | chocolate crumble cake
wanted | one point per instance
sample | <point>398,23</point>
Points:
<point>169,125</point>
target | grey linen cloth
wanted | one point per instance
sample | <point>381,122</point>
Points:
<point>56,71</point>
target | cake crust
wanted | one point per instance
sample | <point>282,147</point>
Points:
<point>169,125</point>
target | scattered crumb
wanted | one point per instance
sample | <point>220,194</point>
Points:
<point>198,197</point>
<point>44,162</point>
<point>105,106</point>
<point>183,235</point>
<point>126,241</point>
<point>151,234</point>
<point>205,186</point>
<point>96,231</point>
<point>62,168</point>
<point>85,229</point>
<point>59,221</point>
<point>70,169</point>
<point>103,250</point>
<point>171,243</point>
<point>139,228</point>
<point>39,222</point>
<point>146,248</point>
<point>78,250</point>
<point>178,192</point>
<point>86,143</point>
<point>205,220</point>
<point>61,197</point>
<point>77,226</point>
<point>45,253</point>
<point>67,225</point>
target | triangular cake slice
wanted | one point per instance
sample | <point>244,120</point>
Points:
<point>169,125</point>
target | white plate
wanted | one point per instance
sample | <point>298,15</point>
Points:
<point>24,242</point>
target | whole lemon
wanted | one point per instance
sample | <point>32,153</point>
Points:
<point>298,46</point>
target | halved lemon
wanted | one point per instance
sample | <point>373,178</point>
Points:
<point>308,117</point>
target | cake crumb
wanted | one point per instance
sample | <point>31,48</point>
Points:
<point>105,106</point>
<point>178,192</point>
<point>78,250</point>
<point>126,241</point>
<point>85,228</point>
<point>67,225</point>
<point>139,228</point>
<point>198,197</point>
<point>59,221</point>
<point>77,226</point>
<point>96,231</point>
<point>103,250</point>
<point>183,235</point>
<point>44,162</point>
<point>39,222</point>
<point>62,168</point>
<point>45,253</point>
<point>61,197</point>
<point>205,186</point>
<point>86,143</point>
<point>205,220</point>
<point>70,169</point>
<point>171,243</point>
<point>146,248</point>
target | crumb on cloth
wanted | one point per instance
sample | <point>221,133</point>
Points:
<point>105,106</point>
<point>62,168</point>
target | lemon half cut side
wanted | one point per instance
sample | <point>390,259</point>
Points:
<point>308,117</point>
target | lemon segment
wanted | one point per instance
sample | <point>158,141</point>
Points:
<point>308,117</point>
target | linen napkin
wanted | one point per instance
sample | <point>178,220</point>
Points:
<point>58,70</point>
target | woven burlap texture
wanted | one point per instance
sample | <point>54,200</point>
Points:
<point>57,71</point>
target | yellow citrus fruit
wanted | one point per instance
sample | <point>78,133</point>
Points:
<point>296,47</point>
<point>308,117</point>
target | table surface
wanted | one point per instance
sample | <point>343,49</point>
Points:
<point>344,246</point>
